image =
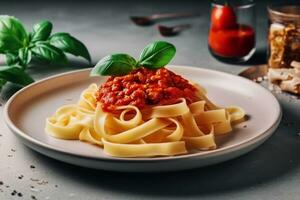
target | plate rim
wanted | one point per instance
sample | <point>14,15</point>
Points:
<point>241,145</point>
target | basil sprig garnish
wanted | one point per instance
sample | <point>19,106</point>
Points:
<point>155,55</point>
<point>21,47</point>
<point>116,64</point>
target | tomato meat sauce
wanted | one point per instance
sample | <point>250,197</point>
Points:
<point>144,87</point>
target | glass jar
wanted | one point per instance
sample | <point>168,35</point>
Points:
<point>283,35</point>
<point>231,35</point>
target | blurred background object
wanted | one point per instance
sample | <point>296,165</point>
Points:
<point>232,30</point>
<point>284,35</point>
<point>154,18</point>
<point>172,30</point>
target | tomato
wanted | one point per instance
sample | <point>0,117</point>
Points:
<point>223,17</point>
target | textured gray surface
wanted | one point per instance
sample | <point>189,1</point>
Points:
<point>270,172</point>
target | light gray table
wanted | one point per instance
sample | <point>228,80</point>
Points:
<point>270,172</point>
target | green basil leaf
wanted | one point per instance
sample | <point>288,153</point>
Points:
<point>2,82</point>
<point>12,34</point>
<point>114,65</point>
<point>157,54</point>
<point>11,59</point>
<point>49,53</point>
<point>41,31</point>
<point>69,44</point>
<point>15,74</point>
<point>24,56</point>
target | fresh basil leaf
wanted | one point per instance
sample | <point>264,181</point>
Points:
<point>11,59</point>
<point>49,53</point>
<point>15,74</point>
<point>41,31</point>
<point>157,54</point>
<point>114,65</point>
<point>24,56</point>
<point>2,82</point>
<point>69,44</point>
<point>12,34</point>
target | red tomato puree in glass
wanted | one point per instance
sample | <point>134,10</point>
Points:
<point>144,87</point>
<point>236,42</point>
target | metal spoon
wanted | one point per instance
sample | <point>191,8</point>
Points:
<point>172,30</point>
<point>152,19</point>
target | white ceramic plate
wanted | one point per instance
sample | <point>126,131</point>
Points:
<point>26,111</point>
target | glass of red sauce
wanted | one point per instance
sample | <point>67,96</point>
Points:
<point>231,35</point>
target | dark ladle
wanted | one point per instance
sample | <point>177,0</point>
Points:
<point>172,30</point>
<point>152,19</point>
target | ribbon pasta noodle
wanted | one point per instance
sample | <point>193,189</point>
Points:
<point>164,130</point>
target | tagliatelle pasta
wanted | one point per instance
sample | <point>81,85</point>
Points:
<point>159,130</point>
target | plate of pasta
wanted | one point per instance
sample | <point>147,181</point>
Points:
<point>127,115</point>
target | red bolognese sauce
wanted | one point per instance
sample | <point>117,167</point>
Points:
<point>144,87</point>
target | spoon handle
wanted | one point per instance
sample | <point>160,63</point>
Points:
<point>181,27</point>
<point>173,15</point>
